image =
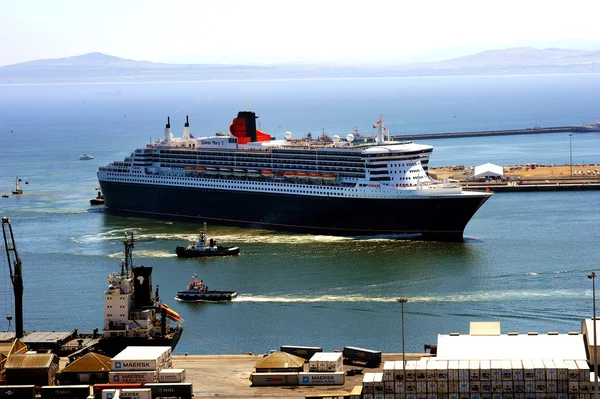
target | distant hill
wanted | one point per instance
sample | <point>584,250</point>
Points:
<point>99,67</point>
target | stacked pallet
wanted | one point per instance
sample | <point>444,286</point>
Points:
<point>480,379</point>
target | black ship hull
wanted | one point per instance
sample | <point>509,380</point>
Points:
<point>210,296</point>
<point>442,218</point>
<point>184,252</point>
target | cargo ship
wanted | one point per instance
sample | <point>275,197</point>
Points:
<point>329,186</point>
<point>133,314</point>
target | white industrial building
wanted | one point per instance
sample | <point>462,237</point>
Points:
<point>488,364</point>
<point>488,170</point>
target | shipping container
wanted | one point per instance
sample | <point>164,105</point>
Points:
<point>539,370</point>
<point>421,370</point>
<point>110,393</point>
<point>98,388</point>
<point>463,370</point>
<point>473,370</point>
<point>370,357</point>
<point>572,370</point>
<point>378,383</point>
<point>132,376</point>
<point>268,379</point>
<point>485,370</point>
<point>584,370</point>
<point>305,352</point>
<point>432,370</point>
<point>183,390</point>
<point>388,371</point>
<point>17,391</point>
<point>66,392</point>
<point>399,370</point>
<point>506,370</point>
<point>367,382</point>
<point>410,369</point>
<point>442,370</point>
<point>517,370</point>
<point>171,375</point>
<point>141,358</point>
<point>330,362</point>
<point>140,393</point>
<point>453,370</point>
<point>325,378</point>
<point>313,362</point>
<point>551,372</point>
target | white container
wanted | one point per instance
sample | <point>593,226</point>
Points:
<point>388,371</point>
<point>141,358</point>
<point>551,373</point>
<point>272,379</point>
<point>421,370</point>
<point>378,383</point>
<point>115,377</point>
<point>474,370</point>
<point>539,370</point>
<point>584,370</point>
<point>453,370</point>
<point>335,378</point>
<point>485,370</point>
<point>139,393</point>
<point>432,370</point>
<point>410,367</point>
<point>496,370</point>
<point>110,394</point>
<point>171,375</point>
<point>442,370</point>
<point>399,371</point>
<point>506,370</point>
<point>367,383</point>
<point>517,370</point>
<point>332,361</point>
<point>463,370</point>
<point>572,370</point>
<point>313,362</point>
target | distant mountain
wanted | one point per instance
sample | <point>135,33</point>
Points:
<point>99,67</point>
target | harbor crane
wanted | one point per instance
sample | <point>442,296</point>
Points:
<point>16,277</point>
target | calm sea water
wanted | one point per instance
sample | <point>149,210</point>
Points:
<point>524,262</point>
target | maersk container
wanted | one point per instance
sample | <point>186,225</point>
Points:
<point>270,379</point>
<point>66,392</point>
<point>141,358</point>
<point>99,388</point>
<point>17,391</point>
<point>183,390</point>
<point>333,378</point>
<point>132,376</point>
<point>141,393</point>
<point>171,375</point>
<point>110,394</point>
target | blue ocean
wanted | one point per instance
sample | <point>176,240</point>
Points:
<point>524,262</point>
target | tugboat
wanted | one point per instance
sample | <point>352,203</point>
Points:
<point>99,200</point>
<point>201,249</point>
<point>196,291</point>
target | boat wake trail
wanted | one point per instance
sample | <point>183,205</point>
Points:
<point>482,296</point>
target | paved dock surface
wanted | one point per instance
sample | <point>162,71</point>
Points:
<point>228,376</point>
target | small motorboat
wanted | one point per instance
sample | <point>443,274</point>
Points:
<point>202,249</point>
<point>85,157</point>
<point>99,200</point>
<point>196,291</point>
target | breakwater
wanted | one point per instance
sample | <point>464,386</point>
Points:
<point>484,133</point>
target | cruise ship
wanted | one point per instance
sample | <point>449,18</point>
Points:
<point>329,186</point>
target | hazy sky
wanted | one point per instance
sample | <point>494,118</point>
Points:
<point>266,31</point>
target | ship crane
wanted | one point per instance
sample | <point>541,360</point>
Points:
<point>16,277</point>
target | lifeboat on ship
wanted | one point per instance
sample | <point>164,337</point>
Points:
<point>225,171</point>
<point>302,175</point>
<point>253,173</point>
<point>239,172</point>
<point>328,176</point>
<point>171,314</point>
<point>201,169</point>
<point>267,173</point>
<point>289,175</point>
<point>211,171</point>
<point>189,168</point>
<point>314,176</point>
